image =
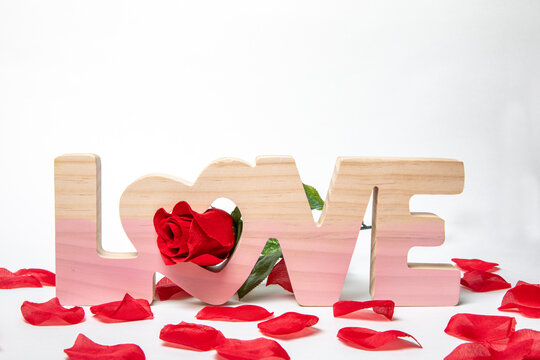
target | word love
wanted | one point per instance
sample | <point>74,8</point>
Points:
<point>271,198</point>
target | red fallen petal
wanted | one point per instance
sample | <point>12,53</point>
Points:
<point>25,278</point>
<point>86,349</point>
<point>287,323</point>
<point>474,264</point>
<point>524,298</point>
<point>239,313</point>
<point>482,281</point>
<point>280,276</point>
<point>51,313</point>
<point>129,309</point>
<point>371,339</point>
<point>194,336</point>
<point>517,347</point>
<point>512,351</point>
<point>521,282</point>
<point>165,289</point>
<point>5,272</point>
<point>470,351</point>
<point>529,312</point>
<point>383,307</point>
<point>44,276</point>
<point>529,336</point>
<point>19,281</point>
<point>255,349</point>
<point>480,328</point>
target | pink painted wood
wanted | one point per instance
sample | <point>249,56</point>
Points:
<point>273,204</point>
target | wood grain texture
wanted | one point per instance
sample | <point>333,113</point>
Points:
<point>396,230</point>
<point>273,204</point>
<point>85,273</point>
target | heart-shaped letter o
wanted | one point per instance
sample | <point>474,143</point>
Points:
<point>273,204</point>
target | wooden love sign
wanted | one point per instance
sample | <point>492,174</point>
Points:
<point>271,198</point>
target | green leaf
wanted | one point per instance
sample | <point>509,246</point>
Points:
<point>365,227</point>
<point>238,224</point>
<point>260,271</point>
<point>315,200</point>
<point>236,215</point>
<point>272,245</point>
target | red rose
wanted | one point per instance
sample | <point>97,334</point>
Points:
<point>185,235</point>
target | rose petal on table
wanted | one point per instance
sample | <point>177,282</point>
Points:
<point>482,281</point>
<point>523,298</point>
<point>46,277</point>
<point>26,278</point>
<point>9,280</point>
<point>480,328</point>
<point>86,349</point>
<point>5,272</point>
<point>527,337</point>
<point>280,276</point>
<point>474,264</point>
<point>383,307</point>
<point>192,336</point>
<point>260,348</point>
<point>51,313</point>
<point>288,323</point>
<point>229,313</point>
<point>165,289</point>
<point>470,351</point>
<point>511,350</point>
<point>129,309</point>
<point>19,281</point>
<point>522,344</point>
<point>517,347</point>
<point>371,339</point>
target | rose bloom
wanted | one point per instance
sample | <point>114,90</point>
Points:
<point>187,236</point>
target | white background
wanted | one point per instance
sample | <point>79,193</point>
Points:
<point>171,86</point>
